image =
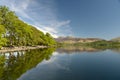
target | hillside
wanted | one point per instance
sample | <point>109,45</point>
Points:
<point>116,39</point>
<point>15,32</point>
<point>76,40</point>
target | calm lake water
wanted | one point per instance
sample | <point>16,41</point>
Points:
<point>61,64</point>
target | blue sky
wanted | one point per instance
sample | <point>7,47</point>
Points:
<point>80,18</point>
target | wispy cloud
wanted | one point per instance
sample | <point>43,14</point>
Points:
<point>40,13</point>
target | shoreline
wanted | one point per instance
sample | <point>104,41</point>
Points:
<point>20,48</point>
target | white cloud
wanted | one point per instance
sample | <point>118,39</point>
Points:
<point>40,13</point>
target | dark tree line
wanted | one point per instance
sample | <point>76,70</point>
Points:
<point>14,31</point>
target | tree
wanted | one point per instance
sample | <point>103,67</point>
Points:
<point>19,33</point>
<point>2,39</point>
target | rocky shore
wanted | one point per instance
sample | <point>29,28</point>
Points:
<point>21,48</point>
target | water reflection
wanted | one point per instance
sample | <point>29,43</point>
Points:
<point>14,64</point>
<point>72,49</point>
<point>79,65</point>
<point>116,50</point>
<point>37,64</point>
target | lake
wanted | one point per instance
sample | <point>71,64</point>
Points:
<point>61,64</point>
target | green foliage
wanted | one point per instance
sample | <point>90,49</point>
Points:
<point>104,44</point>
<point>49,39</point>
<point>2,39</point>
<point>97,44</point>
<point>13,31</point>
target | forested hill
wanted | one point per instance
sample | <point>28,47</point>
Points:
<point>15,32</point>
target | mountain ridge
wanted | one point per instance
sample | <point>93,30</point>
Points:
<point>76,40</point>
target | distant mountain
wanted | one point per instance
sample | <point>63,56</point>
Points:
<point>76,40</point>
<point>116,39</point>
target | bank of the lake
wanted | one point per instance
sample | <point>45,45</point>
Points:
<point>20,48</point>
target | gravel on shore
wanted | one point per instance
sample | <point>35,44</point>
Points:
<point>21,48</point>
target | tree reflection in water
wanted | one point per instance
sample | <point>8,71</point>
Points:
<point>14,64</point>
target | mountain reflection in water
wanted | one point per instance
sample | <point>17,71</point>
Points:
<point>72,49</point>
